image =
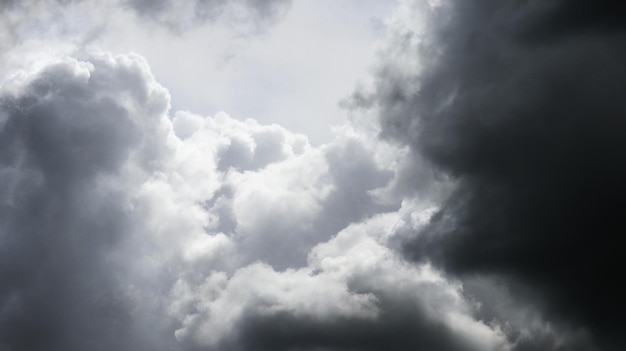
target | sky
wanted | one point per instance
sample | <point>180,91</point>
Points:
<point>303,175</point>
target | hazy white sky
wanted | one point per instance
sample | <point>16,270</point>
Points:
<point>294,73</point>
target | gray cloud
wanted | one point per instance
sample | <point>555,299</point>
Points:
<point>65,138</point>
<point>340,196</point>
<point>520,104</point>
<point>122,227</point>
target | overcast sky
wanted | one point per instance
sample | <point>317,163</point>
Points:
<point>305,175</point>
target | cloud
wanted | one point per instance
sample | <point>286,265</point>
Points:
<point>66,138</point>
<point>246,16</point>
<point>124,227</point>
<point>355,293</point>
<point>518,104</point>
<point>51,24</point>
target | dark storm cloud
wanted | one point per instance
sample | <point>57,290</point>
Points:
<point>521,102</point>
<point>401,328</point>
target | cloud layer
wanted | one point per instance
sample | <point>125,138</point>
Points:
<point>483,218</point>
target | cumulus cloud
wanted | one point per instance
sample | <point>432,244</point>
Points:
<point>355,293</point>
<point>67,133</point>
<point>518,104</point>
<point>125,227</point>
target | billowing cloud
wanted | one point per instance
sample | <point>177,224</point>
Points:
<point>519,104</point>
<point>124,227</point>
<point>355,293</point>
<point>68,133</point>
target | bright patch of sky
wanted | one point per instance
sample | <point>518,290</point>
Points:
<point>292,74</point>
